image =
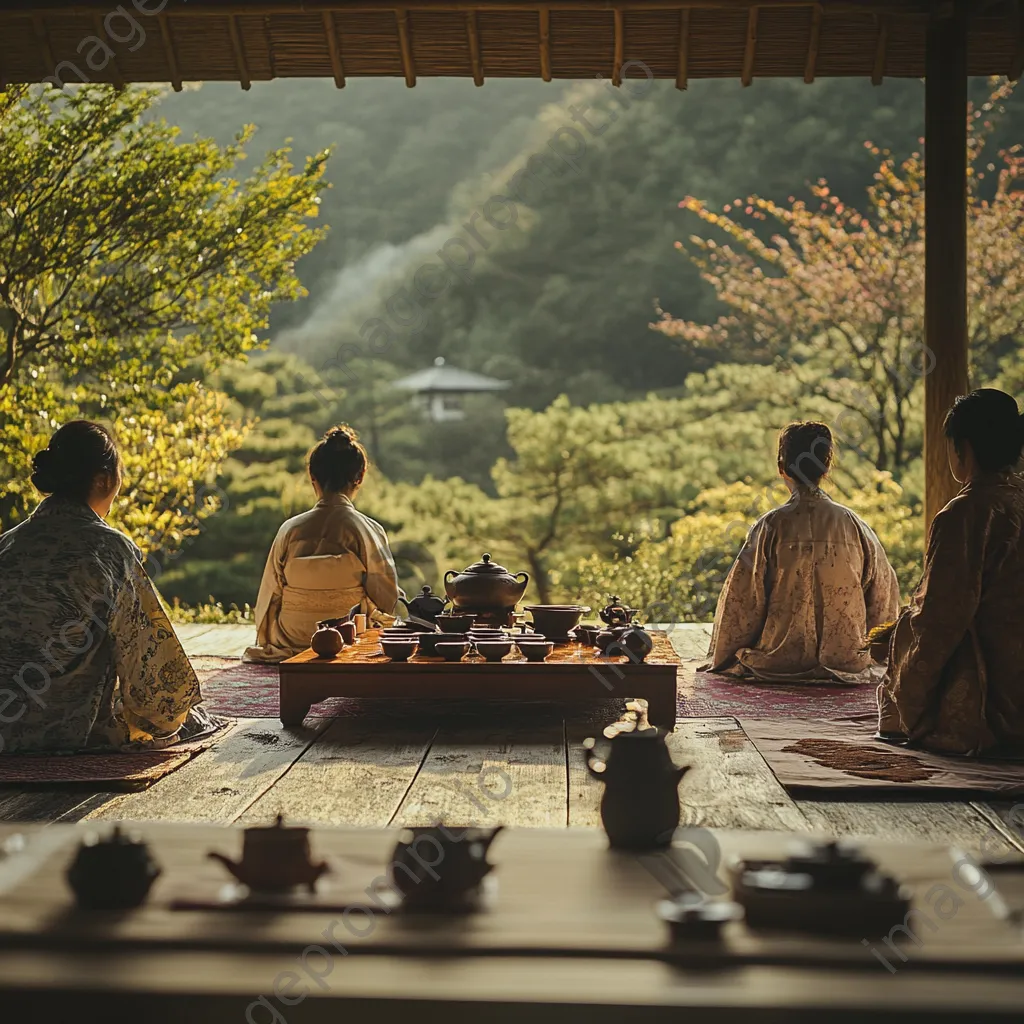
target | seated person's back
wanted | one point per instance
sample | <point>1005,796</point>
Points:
<point>88,658</point>
<point>325,561</point>
<point>956,657</point>
<point>810,581</point>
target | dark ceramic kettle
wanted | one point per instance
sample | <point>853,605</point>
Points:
<point>112,874</point>
<point>438,868</point>
<point>640,805</point>
<point>485,585</point>
<point>426,606</point>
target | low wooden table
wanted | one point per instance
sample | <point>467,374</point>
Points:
<point>572,672</point>
<point>570,937</point>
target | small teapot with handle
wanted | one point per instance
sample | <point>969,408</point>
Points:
<point>274,859</point>
<point>640,805</point>
<point>438,868</point>
<point>426,606</point>
<point>112,874</point>
<point>485,584</point>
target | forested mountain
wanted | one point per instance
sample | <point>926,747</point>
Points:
<point>566,276</point>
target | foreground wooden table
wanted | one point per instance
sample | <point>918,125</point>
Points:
<point>570,936</point>
<point>572,672</point>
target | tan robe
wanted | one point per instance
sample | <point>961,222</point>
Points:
<point>810,581</point>
<point>321,564</point>
<point>956,659</point>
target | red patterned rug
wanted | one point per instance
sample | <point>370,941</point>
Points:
<point>236,688</point>
<point>704,695</point>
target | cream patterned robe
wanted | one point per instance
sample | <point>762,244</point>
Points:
<point>321,564</point>
<point>88,658</point>
<point>810,581</point>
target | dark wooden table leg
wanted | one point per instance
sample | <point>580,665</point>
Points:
<point>661,703</point>
<point>295,702</point>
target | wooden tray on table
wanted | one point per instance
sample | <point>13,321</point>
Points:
<point>572,672</point>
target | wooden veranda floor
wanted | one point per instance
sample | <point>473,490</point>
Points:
<point>493,768</point>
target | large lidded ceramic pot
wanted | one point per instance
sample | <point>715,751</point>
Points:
<point>485,584</point>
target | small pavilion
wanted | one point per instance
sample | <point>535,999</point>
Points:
<point>942,41</point>
<point>440,389</point>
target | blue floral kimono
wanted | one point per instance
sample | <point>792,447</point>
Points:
<point>88,658</point>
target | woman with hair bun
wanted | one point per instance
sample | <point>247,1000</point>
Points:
<point>810,581</point>
<point>955,683</point>
<point>88,658</point>
<point>327,560</point>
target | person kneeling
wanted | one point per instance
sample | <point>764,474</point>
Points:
<point>325,561</point>
<point>955,683</point>
<point>808,584</point>
<point>88,657</point>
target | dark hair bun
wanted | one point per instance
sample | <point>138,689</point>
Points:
<point>338,461</point>
<point>77,453</point>
<point>806,452</point>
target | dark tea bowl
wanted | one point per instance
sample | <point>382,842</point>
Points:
<point>494,650</point>
<point>534,650</point>
<point>452,651</point>
<point>429,641</point>
<point>398,650</point>
<point>555,620</point>
<point>586,634</point>
<point>457,623</point>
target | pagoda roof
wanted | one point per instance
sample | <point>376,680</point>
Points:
<point>450,379</point>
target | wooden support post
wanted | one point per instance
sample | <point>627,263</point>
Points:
<point>811,68</point>
<point>408,67</point>
<point>337,68</point>
<point>172,57</point>
<point>545,44</point>
<point>683,70</point>
<point>239,50</point>
<point>945,363</point>
<point>750,51</point>
<point>474,48</point>
<point>619,47</point>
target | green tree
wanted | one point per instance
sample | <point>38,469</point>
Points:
<point>836,295</point>
<point>124,255</point>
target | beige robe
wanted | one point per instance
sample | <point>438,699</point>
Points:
<point>956,658</point>
<point>321,564</point>
<point>810,581</point>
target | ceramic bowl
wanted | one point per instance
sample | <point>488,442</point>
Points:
<point>398,650</point>
<point>452,651</point>
<point>494,650</point>
<point>428,641</point>
<point>556,620</point>
<point>459,623</point>
<point>487,634</point>
<point>586,634</point>
<point>534,650</point>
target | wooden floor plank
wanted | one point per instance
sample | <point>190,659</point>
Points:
<point>690,639</point>
<point>479,775</point>
<point>957,823</point>
<point>189,631</point>
<point>45,805</point>
<point>226,641</point>
<point>219,784</point>
<point>1006,820</point>
<point>729,784</point>
<point>354,774</point>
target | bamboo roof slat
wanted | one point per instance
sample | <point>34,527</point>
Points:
<point>474,48</point>
<point>402,17</point>
<point>101,33</point>
<point>239,52</point>
<point>682,72</point>
<point>878,71</point>
<point>681,40</point>
<point>544,18</point>
<point>619,45</point>
<point>166,34</point>
<point>750,48</point>
<point>811,67</point>
<point>1017,67</point>
<point>334,49</point>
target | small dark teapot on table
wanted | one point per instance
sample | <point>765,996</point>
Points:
<point>274,859</point>
<point>425,607</point>
<point>640,805</point>
<point>112,874</point>
<point>441,869</point>
<point>485,585</point>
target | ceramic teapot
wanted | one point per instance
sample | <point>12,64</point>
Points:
<point>640,804</point>
<point>440,868</point>
<point>112,874</point>
<point>274,859</point>
<point>426,606</point>
<point>485,584</point>
<point>615,613</point>
<point>633,641</point>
